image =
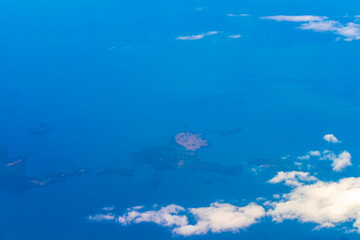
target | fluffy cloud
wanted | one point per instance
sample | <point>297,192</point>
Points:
<point>293,178</point>
<point>324,203</point>
<point>197,36</point>
<point>331,138</point>
<point>327,204</point>
<point>165,216</point>
<point>315,153</point>
<point>219,217</point>
<point>340,161</point>
<point>350,31</point>
<point>302,18</point>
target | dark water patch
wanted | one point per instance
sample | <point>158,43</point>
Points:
<point>117,171</point>
<point>42,129</point>
<point>224,133</point>
<point>156,179</point>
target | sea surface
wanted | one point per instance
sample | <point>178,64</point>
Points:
<point>84,84</point>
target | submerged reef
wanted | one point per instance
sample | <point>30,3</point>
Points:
<point>156,179</point>
<point>181,153</point>
<point>165,157</point>
<point>13,178</point>
<point>42,129</point>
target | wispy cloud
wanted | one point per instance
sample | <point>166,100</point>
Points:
<point>238,15</point>
<point>191,37</point>
<point>350,31</point>
<point>302,18</point>
<point>197,36</point>
<point>305,157</point>
<point>102,217</point>
<point>235,36</point>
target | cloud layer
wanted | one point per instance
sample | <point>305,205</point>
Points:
<point>327,204</point>
<point>219,217</point>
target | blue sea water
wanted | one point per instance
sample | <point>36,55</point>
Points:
<point>109,78</point>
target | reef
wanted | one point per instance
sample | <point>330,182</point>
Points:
<point>13,178</point>
<point>156,179</point>
<point>181,153</point>
<point>42,129</point>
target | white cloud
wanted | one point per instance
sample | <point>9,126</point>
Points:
<point>350,31</point>
<point>305,157</point>
<point>219,217</point>
<point>235,36</point>
<point>340,161</point>
<point>277,196</point>
<point>212,32</point>
<point>108,208</point>
<point>315,153</point>
<point>302,18</point>
<point>102,217</point>
<point>165,216</point>
<point>327,204</point>
<point>238,15</point>
<point>324,203</point>
<point>197,36</point>
<point>191,37</point>
<point>293,178</point>
<point>331,138</point>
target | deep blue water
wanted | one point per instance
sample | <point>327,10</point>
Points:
<point>110,78</point>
